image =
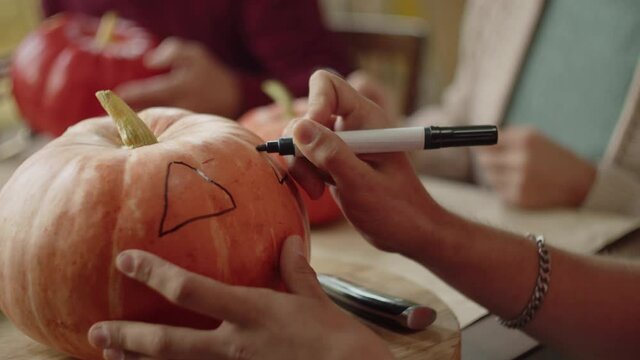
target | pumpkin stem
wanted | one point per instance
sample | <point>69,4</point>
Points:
<point>280,95</point>
<point>105,29</point>
<point>133,131</point>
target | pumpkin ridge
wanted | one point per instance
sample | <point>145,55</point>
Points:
<point>161,128</point>
<point>33,275</point>
<point>31,290</point>
<point>114,277</point>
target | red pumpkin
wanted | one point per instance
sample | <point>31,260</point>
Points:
<point>202,198</point>
<point>269,122</point>
<point>57,68</point>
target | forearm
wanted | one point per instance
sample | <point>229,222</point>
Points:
<point>592,307</point>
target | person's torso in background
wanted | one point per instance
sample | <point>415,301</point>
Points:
<point>577,73</point>
<point>234,30</point>
<point>213,23</point>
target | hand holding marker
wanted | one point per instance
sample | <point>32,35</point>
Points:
<point>363,301</point>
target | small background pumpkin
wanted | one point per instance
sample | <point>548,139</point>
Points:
<point>71,56</point>
<point>269,122</point>
<point>201,197</point>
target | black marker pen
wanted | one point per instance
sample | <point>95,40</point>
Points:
<point>399,139</point>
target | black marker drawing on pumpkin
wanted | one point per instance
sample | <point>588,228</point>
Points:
<point>276,171</point>
<point>208,161</point>
<point>162,231</point>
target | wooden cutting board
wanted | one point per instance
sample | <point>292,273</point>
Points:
<point>440,341</point>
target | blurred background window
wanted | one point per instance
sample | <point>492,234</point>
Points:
<point>17,18</point>
<point>441,20</point>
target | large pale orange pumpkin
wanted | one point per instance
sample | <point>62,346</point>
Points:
<point>202,198</point>
<point>269,122</point>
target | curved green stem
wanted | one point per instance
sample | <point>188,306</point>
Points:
<point>105,29</point>
<point>280,95</point>
<point>133,131</point>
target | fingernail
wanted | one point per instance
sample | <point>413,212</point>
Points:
<point>113,354</point>
<point>298,245</point>
<point>99,337</point>
<point>333,71</point>
<point>305,132</point>
<point>124,263</point>
<point>288,130</point>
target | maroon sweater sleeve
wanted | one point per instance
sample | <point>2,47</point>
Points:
<point>290,41</point>
<point>50,7</point>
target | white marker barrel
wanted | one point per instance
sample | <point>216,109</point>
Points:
<point>384,140</point>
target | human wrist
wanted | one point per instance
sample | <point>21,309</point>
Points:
<point>435,227</point>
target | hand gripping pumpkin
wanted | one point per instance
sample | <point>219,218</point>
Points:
<point>269,122</point>
<point>201,197</point>
<point>71,56</point>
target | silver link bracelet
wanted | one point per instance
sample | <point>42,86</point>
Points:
<point>539,292</point>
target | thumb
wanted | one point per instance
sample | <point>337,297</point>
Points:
<point>329,153</point>
<point>297,274</point>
